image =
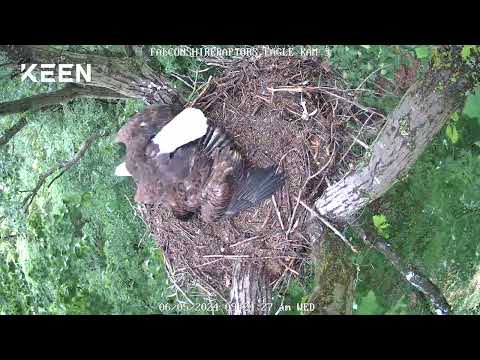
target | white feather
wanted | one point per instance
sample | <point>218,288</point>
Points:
<point>121,170</point>
<point>190,124</point>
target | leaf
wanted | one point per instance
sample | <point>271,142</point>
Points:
<point>379,220</point>
<point>455,117</point>
<point>467,49</point>
<point>381,225</point>
<point>365,46</point>
<point>472,105</point>
<point>452,133</point>
<point>422,52</point>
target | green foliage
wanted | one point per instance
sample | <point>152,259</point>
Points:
<point>81,249</point>
<point>381,225</point>
<point>467,51</point>
<point>369,305</point>
<point>366,65</point>
<point>452,133</point>
<point>423,52</point>
<point>472,105</point>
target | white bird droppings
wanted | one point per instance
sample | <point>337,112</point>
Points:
<point>409,276</point>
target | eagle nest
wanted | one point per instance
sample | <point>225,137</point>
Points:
<point>290,111</point>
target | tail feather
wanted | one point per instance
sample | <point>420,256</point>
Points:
<point>256,186</point>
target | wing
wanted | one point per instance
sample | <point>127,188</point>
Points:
<point>217,193</point>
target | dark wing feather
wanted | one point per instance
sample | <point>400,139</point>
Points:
<point>257,185</point>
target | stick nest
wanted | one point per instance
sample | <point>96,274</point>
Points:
<point>290,111</point>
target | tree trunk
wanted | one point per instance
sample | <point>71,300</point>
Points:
<point>250,293</point>
<point>61,96</point>
<point>334,273</point>
<point>129,76</point>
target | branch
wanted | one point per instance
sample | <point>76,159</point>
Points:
<point>129,76</point>
<point>11,132</point>
<point>62,167</point>
<point>61,96</point>
<point>416,279</point>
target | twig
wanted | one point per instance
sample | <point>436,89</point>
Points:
<point>227,256</point>
<point>278,212</point>
<point>171,278</point>
<point>330,226</point>
<point>308,89</point>
<point>244,241</point>
<point>176,76</point>
<point>62,167</point>
<point>356,139</point>
<point>295,208</point>
<point>207,85</point>
<point>368,77</point>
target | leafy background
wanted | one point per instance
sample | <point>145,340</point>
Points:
<point>81,249</point>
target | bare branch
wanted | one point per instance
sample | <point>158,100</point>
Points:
<point>415,278</point>
<point>62,167</point>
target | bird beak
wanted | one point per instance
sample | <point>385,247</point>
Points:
<point>121,170</point>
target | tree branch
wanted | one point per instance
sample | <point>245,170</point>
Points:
<point>62,167</point>
<point>415,278</point>
<point>131,77</point>
<point>12,131</point>
<point>61,96</point>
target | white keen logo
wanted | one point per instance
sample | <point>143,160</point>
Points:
<point>47,73</point>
